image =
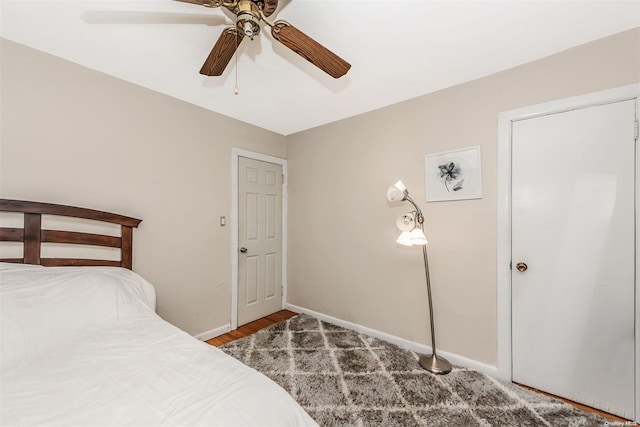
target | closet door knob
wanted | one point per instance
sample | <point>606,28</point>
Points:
<point>243,250</point>
<point>522,267</point>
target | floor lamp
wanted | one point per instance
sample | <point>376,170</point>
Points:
<point>412,226</point>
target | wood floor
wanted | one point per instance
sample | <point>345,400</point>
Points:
<point>580,406</point>
<point>253,327</point>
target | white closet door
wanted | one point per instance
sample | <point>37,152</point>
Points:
<point>573,226</point>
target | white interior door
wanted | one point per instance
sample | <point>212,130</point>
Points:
<point>259,239</point>
<point>573,225</point>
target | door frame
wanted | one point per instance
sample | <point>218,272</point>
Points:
<point>236,153</point>
<point>505,120</point>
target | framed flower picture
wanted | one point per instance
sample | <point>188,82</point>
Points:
<point>453,175</point>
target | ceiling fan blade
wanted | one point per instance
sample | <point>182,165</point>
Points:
<point>222,52</point>
<point>309,49</point>
<point>152,18</point>
<point>200,2</point>
<point>269,7</point>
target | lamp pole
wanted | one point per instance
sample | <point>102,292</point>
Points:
<point>433,363</point>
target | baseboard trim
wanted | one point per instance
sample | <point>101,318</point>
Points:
<point>212,333</point>
<point>455,359</point>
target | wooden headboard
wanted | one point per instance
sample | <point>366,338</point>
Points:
<point>32,235</point>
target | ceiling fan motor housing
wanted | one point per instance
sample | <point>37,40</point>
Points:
<point>248,18</point>
<point>248,14</point>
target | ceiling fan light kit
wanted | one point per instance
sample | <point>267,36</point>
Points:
<point>248,18</point>
<point>248,14</point>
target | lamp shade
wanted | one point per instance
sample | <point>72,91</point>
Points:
<point>417,237</point>
<point>397,192</point>
<point>400,186</point>
<point>406,222</point>
<point>394,195</point>
<point>404,239</point>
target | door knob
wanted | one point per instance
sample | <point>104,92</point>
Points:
<point>243,250</point>
<point>522,267</point>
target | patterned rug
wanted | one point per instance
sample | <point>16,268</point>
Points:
<point>342,377</point>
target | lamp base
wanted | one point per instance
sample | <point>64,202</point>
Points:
<point>435,364</point>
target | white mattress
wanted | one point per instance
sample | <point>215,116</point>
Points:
<point>126,368</point>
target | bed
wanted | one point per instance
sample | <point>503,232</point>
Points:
<point>83,346</point>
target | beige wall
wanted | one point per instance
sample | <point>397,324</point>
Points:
<point>99,142</point>
<point>74,136</point>
<point>342,257</point>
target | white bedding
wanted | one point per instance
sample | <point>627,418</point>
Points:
<point>100,356</point>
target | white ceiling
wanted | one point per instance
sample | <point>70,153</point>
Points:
<point>398,49</point>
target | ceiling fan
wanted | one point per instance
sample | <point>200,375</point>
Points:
<point>248,14</point>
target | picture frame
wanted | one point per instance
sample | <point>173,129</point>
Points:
<point>453,175</point>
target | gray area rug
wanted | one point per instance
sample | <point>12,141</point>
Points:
<point>342,377</point>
